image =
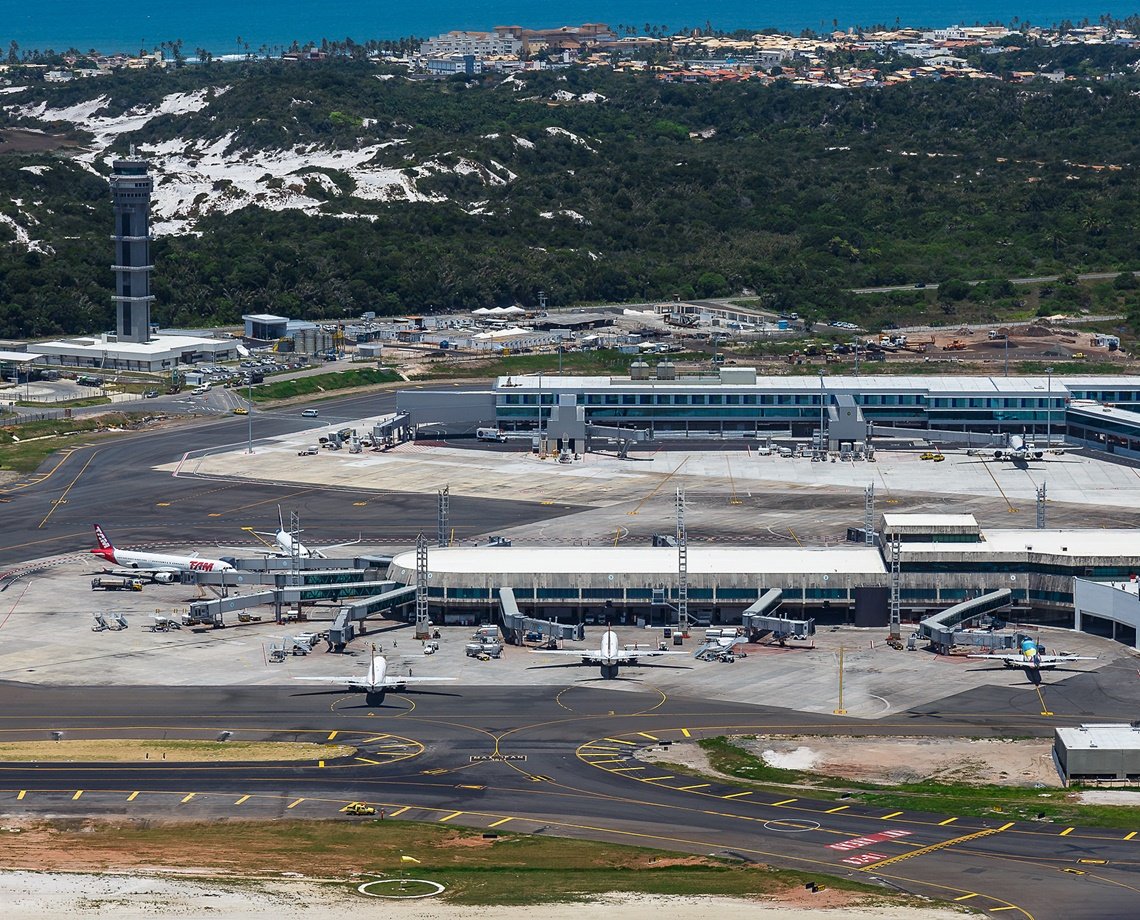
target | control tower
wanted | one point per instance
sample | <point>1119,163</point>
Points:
<point>131,186</point>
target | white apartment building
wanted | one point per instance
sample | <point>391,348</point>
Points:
<point>480,44</point>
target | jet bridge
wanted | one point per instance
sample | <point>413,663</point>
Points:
<point>516,625</point>
<point>760,620</point>
<point>343,629</point>
<point>210,613</point>
<point>944,628</point>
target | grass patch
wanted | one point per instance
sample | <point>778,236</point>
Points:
<point>66,403</point>
<point>322,383</point>
<point>24,447</point>
<point>110,750</point>
<point>1017,803</point>
<point>508,869</point>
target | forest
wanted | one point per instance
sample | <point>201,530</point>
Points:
<point>657,191</point>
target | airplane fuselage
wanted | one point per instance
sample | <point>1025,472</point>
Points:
<point>133,560</point>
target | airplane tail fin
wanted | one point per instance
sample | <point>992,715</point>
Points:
<point>372,667</point>
<point>280,520</point>
<point>101,538</point>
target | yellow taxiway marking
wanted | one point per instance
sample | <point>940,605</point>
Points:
<point>376,738</point>
<point>78,793</point>
<point>320,763</point>
<point>454,814</point>
<point>947,821</point>
<point>23,792</point>
<point>294,803</point>
<point>649,736</point>
<point>1066,832</point>
<point>332,735</point>
<point>500,821</point>
<point>893,814</point>
<point>399,811</point>
<point>966,897</point>
<point>162,504</point>
<point>244,798</point>
<point>214,514</point>
<point>614,760</point>
<point>1006,827</point>
<point>359,504</point>
<point>619,741</point>
<point>685,732</point>
<point>655,779</point>
<point>832,811</point>
<point>697,786</point>
<point>1128,836</point>
<point>786,802</point>
<point>923,851</point>
<point>374,763</point>
<point>188,798</point>
<point>625,769</point>
<point>735,795</point>
<point>994,910</point>
<point>132,796</point>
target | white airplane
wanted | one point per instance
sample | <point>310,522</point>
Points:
<point>1030,658</point>
<point>286,545</point>
<point>1019,449</point>
<point>609,656</point>
<point>155,562</point>
<point>376,682</point>
<point>720,647</point>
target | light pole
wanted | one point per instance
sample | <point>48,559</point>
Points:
<point>1049,408</point>
<point>822,452</point>
<point>249,416</point>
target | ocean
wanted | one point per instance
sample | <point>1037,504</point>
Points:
<point>217,25</point>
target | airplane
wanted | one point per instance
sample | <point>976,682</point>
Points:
<point>155,562</point>
<point>609,656</point>
<point>284,542</point>
<point>1030,657</point>
<point>1019,450</point>
<point>376,682</point>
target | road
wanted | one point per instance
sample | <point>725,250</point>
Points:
<point>560,761</point>
<point>113,482</point>
<point>933,285</point>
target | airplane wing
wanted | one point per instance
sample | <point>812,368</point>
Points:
<point>1013,659</point>
<point>400,681</point>
<point>338,679</point>
<point>1061,659</point>
<point>331,546</point>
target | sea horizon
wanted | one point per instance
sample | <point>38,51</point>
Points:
<point>259,26</point>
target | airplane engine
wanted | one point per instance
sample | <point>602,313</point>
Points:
<point>999,454</point>
<point>1038,455</point>
<point>164,578</point>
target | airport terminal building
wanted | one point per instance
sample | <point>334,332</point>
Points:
<point>944,559</point>
<point>736,402</point>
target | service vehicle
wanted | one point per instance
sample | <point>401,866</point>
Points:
<point>310,413</point>
<point>358,808</point>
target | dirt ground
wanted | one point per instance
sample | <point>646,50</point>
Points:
<point>32,896</point>
<point>894,759</point>
<point>132,751</point>
<point>14,140</point>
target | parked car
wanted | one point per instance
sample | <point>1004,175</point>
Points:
<point>310,413</point>
<point>150,394</point>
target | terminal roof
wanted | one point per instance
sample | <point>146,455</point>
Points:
<point>647,560</point>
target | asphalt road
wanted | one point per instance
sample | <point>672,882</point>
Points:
<point>112,482</point>
<point>558,761</point>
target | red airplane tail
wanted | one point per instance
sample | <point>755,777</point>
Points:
<point>105,549</point>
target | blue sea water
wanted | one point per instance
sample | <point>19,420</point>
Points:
<point>217,24</point>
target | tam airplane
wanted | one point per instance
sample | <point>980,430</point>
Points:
<point>376,682</point>
<point>154,562</point>
<point>1030,658</point>
<point>610,656</point>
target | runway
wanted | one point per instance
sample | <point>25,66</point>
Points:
<point>560,760</point>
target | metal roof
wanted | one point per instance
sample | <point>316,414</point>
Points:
<point>1111,735</point>
<point>646,560</point>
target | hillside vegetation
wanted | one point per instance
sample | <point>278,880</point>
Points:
<point>484,193</point>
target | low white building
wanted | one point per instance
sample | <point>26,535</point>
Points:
<point>480,44</point>
<point>161,353</point>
